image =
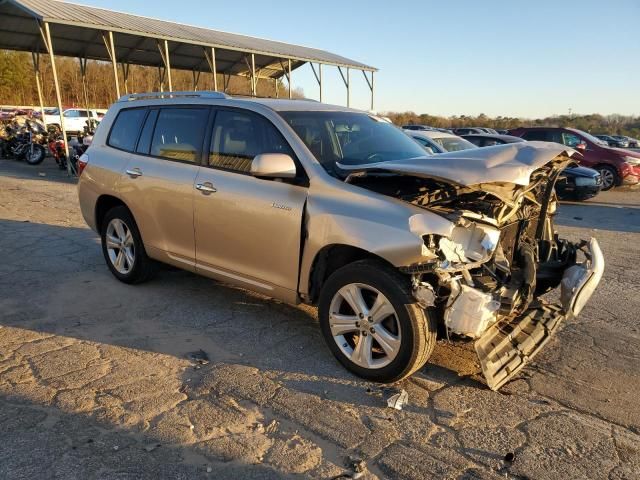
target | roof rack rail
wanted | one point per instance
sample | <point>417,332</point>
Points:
<point>160,95</point>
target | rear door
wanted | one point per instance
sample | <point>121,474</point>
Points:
<point>247,229</point>
<point>159,183</point>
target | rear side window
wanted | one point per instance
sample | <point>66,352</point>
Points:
<point>536,135</point>
<point>144,144</point>
<point>239,136</point>
<point>124,132</point>
<point>179,133</point>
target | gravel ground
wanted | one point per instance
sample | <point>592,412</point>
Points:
<point>96,381</point>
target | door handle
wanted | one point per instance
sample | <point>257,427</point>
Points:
<point>134,173</point>
<point>206,188</point>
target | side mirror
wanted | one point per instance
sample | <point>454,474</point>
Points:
<point>581,146</point>
<point>273,165</point>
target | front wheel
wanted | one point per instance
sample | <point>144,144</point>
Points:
<point>609,177</point>
<point>35,155</point>
<point>373,325</point>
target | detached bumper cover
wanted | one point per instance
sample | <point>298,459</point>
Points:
<point>506,347</point>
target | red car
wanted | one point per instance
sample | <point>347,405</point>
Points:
<point>617,166</point>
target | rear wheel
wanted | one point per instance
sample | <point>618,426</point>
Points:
<point>609,177</point>
<point>123,249</point>
<point>372,323</point>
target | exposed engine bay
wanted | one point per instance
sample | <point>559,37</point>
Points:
<point>485,271</point>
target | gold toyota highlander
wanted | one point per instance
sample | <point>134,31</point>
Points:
<point>325,205</point>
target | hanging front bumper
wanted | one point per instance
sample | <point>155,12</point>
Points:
<point>506,347</point>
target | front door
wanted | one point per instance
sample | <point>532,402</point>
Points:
<point>247,229</point>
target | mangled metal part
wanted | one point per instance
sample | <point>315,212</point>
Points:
<point>507,347</point>
<point>580,281</point>
<point>423,293</point>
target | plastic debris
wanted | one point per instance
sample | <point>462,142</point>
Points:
<point>152,447</point>
<point>209,469</point>
<point>397,400</point>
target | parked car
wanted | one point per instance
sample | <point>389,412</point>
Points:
<point>613,142</point>
<point>574,183</point>
<point>75,119</point>
<point>488,140</point>
<point>471,130</point>
<point>631,142</point>
<point>616,166</point>
<point>436,141</point>
<point>578,183</point>
<point>307,202</point>
<point>417,127</point>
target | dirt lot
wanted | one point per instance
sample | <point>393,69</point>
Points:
<point>95,381</point>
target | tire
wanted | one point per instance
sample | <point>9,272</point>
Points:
<point>37,156</point>
<point>129,262</point>
<point>611,176</point>
<point>412,328</point>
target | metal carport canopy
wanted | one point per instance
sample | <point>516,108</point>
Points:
<point>77,31</point>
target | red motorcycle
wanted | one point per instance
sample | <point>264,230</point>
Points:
<point>56,147</point>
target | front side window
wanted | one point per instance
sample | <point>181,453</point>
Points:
<point>571,140</point>
<point>351,138</point>
<point>179,133</point>
<point>126,127</point>
<point>238,137</point>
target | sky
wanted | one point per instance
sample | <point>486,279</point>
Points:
<point>497,57</point>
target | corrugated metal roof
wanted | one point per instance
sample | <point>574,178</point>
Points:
<point>64,13</point>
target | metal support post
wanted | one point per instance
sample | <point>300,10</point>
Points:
<point>211,60</point>
<point>85,94</point>
<point>289,77</point>
<point>318,76</point>
<point>347,82</point>
<point>36,68</point>
<point>111,50</point>
<point>45,31</point>
<point>125,66</point>
<point>164,53</point>
<point>254,80</point>
<point>371,85</point>
<point>196,79</point>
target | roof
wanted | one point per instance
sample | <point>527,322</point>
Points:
<point>498,136</point>
<point>431,134</point>
<point>77,32</point>
<point>280,105</point>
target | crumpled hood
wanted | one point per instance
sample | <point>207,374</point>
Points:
<point>511,163</point>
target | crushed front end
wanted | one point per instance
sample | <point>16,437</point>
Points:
<point>489,269</point>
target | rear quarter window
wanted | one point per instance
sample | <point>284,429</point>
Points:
<point>541,135</point>
<point>126,127</point>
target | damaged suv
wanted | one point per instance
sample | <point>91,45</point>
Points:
<point>306,202</point>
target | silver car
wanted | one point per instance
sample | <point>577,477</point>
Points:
<point>307,202</point>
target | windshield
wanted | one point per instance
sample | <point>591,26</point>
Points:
<point>351,138</point>
<point>454,144</point>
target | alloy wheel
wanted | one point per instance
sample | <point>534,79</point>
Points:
<point>608,179</point>
<point>365,326</point>
<point>120,246</point>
